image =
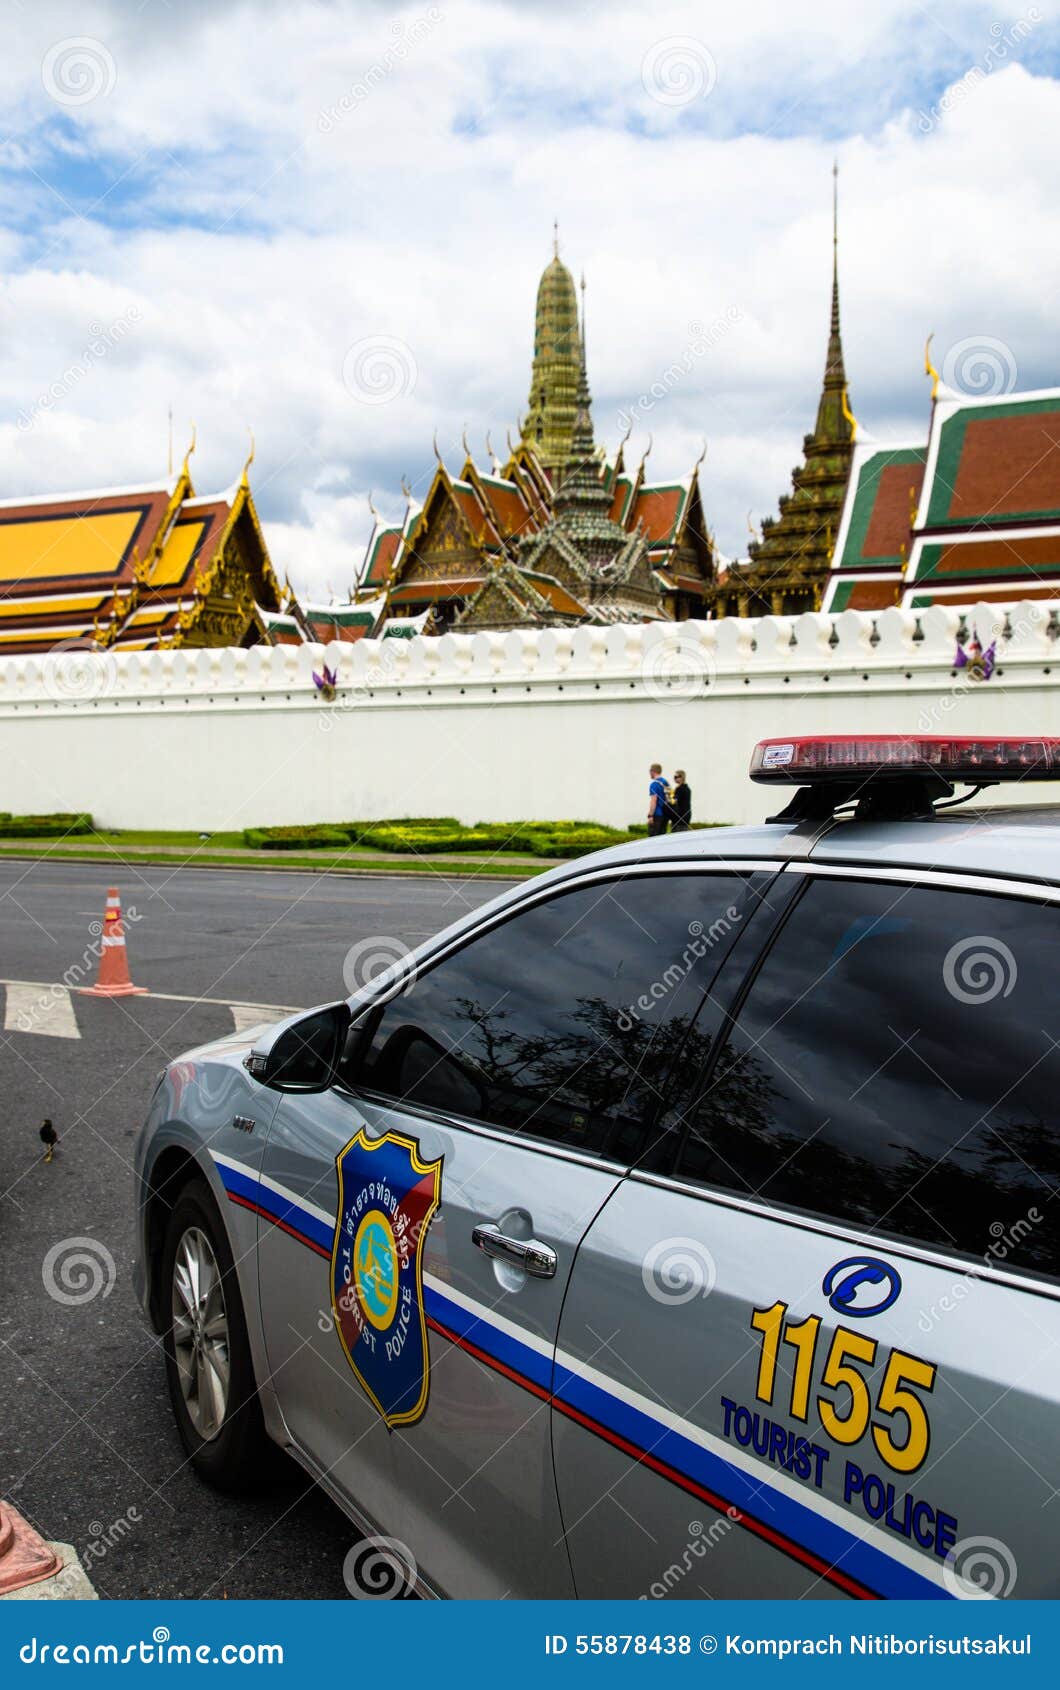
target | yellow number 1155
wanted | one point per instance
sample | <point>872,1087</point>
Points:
<point>845,1416</point>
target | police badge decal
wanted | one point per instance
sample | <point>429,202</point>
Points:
<point>387,1198</point>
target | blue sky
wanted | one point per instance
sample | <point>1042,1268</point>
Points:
<point>326,222</point>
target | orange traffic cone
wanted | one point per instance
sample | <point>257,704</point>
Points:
<point>113,979</point>
<point>25,1558</point>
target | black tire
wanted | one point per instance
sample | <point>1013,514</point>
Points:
<point>239,1456</point>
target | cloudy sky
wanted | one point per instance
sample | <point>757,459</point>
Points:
<point>326,222</point>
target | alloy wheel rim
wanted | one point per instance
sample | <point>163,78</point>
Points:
<point>200,1333</point>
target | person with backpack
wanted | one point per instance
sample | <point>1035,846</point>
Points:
<point>658,802</point>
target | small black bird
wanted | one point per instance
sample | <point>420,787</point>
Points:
<point>49,1138</point>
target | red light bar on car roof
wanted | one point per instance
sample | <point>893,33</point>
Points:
<point>858,758</point>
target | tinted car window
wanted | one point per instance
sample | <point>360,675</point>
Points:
<point>564,1020</point>
<point>895,1065</point>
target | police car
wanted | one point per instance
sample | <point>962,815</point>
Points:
<point>681,1223</point>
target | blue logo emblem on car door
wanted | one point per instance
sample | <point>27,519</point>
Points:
<point>387,1197</point>
<point>861,1286</point>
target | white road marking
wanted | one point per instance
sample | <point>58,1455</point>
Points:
<point>246,1015</point>
<point>47,1010</point>
<point>271,1011</point>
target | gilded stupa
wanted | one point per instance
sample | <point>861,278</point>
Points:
<point>553,406</point>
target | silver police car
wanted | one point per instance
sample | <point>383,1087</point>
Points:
<point>682,1223</point>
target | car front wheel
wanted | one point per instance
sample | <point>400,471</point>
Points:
<point>208,1364</point>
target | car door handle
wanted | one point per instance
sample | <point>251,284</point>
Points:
<point>535,1258</point>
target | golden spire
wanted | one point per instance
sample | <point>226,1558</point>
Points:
<point>243,480</point>
<point>553,401</point>
<point>849,415</point>
<point>929,368</point>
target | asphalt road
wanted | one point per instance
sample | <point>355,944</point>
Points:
<point>88,1450</point>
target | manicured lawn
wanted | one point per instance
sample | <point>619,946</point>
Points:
<point>226,850</point>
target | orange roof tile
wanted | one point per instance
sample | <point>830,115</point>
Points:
<point>381,556</point>
<point>659,509</point>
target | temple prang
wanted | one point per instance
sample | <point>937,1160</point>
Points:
<point>788,568</point>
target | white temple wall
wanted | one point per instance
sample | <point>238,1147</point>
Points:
<point>559,724</point>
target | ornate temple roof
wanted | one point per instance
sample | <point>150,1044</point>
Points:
<point>586,535</point>
<point>872,547</point>
<point>133,567</point>
<point>972,515</point>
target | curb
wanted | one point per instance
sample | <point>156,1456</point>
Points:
<point>284,868</point>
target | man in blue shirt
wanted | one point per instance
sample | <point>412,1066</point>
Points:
<point>656,802</point>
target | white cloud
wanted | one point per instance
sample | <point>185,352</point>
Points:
<point>266,185</point>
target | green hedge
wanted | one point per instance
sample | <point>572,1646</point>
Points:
<point>423,836</point>
<point>555,827</point>
<point>45,827</point>
<point>424,839</point>
<point>638,830</point>
<point>577,842</point>
<point>295,838</point>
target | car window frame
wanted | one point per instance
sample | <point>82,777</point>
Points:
<point>739,869</point>
<point>804,873</point>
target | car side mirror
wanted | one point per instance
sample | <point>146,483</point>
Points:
<point>303,1054</point>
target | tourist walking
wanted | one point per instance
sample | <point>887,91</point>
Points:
<point>680,804</point>
<point>658,802</point>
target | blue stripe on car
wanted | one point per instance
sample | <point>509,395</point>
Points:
<point>826,1539</point>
